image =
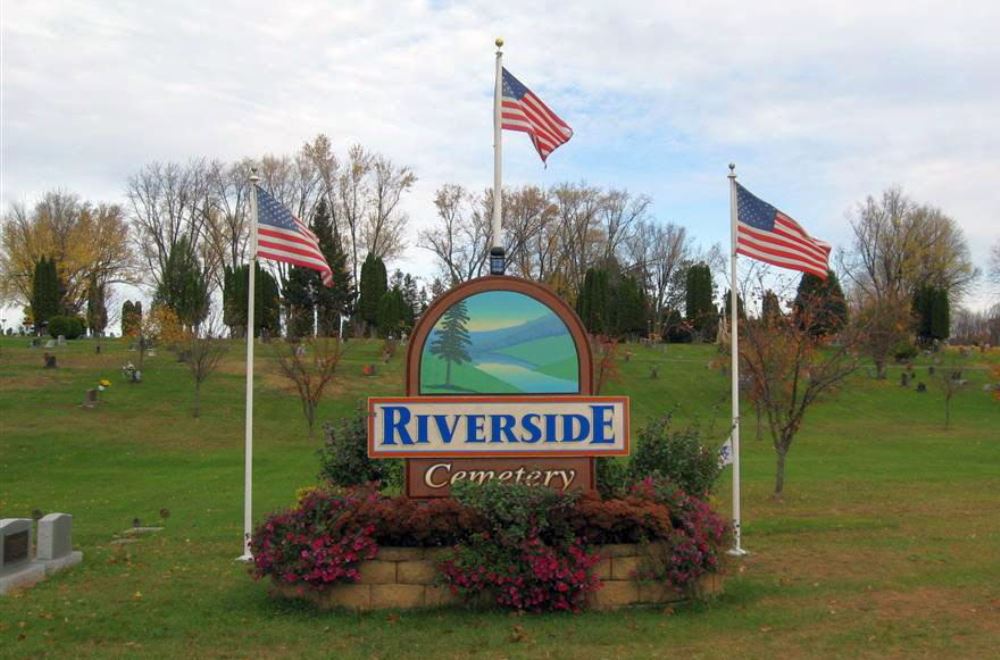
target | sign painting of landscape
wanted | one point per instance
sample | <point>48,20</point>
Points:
<point>499,342</point>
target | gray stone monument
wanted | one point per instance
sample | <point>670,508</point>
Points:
<point>16,567</point>
<point>55,543</point>
<point>61,340</point>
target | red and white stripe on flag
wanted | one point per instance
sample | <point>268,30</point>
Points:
<point>765,233</point>
<point>283,237</point>
<point>521,110</point>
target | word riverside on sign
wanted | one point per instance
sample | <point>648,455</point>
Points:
<point>511,426</point>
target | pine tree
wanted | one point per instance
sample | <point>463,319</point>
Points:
<point>128,312</point>
<point>267,302</point>
<point>592,304</point>
<point>452,342</point>
<point>393,314</point>
<point>699,308</point>
<point>825,302</point>
<point>45,292</point>
<point>727,306</point>
<point>298,301</point>
<point>97,313</point>
<point>374,284</point>
<point>931,309</point>
<point>630,304</point>
<point>771,307</point>
<point>334,301</point>
<point>184,288</point>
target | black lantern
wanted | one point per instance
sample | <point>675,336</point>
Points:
<point>497,261</point>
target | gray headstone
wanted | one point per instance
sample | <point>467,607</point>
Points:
<point>15,543</point>
<point>55,536</point>
<point>61,340</point>
<point>50,343</point>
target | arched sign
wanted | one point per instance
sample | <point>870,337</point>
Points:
<point>499,382</point>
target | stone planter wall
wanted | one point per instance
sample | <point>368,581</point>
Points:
<point>405,578</point>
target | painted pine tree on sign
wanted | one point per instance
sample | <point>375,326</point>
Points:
<point>452,342</point>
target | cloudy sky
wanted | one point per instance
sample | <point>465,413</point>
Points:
<point>818,104</point>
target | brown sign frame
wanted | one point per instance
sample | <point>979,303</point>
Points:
<point>423,328</point>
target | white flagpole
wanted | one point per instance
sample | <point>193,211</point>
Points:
<point>735,365</point>
<point>248,452</point>
<point>497,264</point>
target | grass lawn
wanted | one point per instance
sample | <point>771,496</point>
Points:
<point>887,541</point>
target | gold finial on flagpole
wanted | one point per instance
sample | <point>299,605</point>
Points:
<point>499,42</point>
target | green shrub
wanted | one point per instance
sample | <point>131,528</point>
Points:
<point>612,477</point>
<point>70,327</point>
<point>904,351</point>
<point>344,455</point>
<point>677,455</point>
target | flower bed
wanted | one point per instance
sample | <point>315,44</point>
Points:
<point>527,549</point>
<point>406,578</point>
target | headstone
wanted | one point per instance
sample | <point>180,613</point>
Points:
<point>90,401</point>
<point>50,361</point>
<point>55,543</point>
<point>97,349</point>
<point>61,340</point>
<point>904,379</point>
<point>654,373</point>
<point>921,388</point>
<point>930,370</point>
<point>15,543</point>
<point>55,536</point>
<point>50,343</point>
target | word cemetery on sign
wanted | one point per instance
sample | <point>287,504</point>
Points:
<point>511,426</point>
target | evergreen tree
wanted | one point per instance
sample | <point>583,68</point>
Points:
<point>630,303</point>
<point>825,299</point>
<point>374,284</point>
<point>298,300</point>
<point>452,342</point>
<point>592,302</point>
<point>727,306</point>
<point>97,313</point>
<point>128,312</point>
<point>267,302</point>
<point>184,288</point>
<point>45,292</point>
<point>940,315</point>
<point>771,307</point>
<point>334,301</point>
<point>931,309</point>
<point>411,296</point>
<point>699,308</point>
<point>394,316</point>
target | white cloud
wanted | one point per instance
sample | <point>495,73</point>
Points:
<point>818,103</point>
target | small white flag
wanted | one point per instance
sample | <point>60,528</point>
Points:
<point>726,453</point>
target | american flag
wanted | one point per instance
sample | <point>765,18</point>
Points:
<point>283,237</point>
<point>522,111</point>
<point>765,233</point>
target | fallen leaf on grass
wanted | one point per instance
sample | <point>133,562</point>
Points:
<point>137,595</point>
<point>518,634</point>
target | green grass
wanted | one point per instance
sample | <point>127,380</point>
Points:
<point>885,544</point>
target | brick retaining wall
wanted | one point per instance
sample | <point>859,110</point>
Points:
<point>406,578</point>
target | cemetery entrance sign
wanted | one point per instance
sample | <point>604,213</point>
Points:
<point>499,385</point>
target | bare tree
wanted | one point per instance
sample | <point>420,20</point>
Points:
<point>460,240</point>
<point>168,202</point>
<point>899,245</point>
<point>202,356</point>
<point>791,370</point>
<point>619,213</point>
<point>386,222</point>
<point>352,192</point>
<point>884,324</point>
<point>310,365</point>
<point>659,253</point>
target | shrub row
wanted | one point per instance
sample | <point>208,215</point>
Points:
<point>531,549</point>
